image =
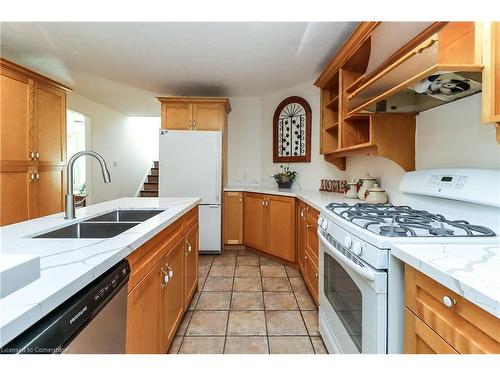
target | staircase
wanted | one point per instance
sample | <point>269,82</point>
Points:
<point>150,188</point>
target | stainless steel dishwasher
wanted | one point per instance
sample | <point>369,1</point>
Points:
<point>93,321</point>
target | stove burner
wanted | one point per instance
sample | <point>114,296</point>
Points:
<point>404,221</point>
<point>392,231</point>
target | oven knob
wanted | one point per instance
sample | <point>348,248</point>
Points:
<point>358,249</point>
<point>320,220</point>
<point>348,242</point>
<point>324,224</point>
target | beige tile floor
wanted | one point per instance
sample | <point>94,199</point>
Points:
<point>249,304</point>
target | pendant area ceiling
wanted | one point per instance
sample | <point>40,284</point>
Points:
<point>125,65</point>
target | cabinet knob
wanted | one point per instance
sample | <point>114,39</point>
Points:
<point>189,248</point>
<point>37,155</point>
<point>32,177</point>
<point>190,125</point>
<point>37,176</point>
<point>448,301</point>
<point>194,124</point>
<point>32,155</point>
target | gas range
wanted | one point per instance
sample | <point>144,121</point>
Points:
<point>403,221</point>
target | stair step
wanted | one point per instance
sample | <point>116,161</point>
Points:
<point>149,193</point>
<point>152,178</point>
<point>156,164</point>
<point>154,171</point>
<point>151,186</point>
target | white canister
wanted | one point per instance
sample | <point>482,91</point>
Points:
<point>352,189</point>
<point>366,182</point>
<point>376,195</point>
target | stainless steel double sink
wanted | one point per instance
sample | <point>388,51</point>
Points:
<point>106,225</point>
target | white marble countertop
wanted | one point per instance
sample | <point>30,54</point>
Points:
<point>315,198</point>
<point>68,265</point>
<point>471,271</point>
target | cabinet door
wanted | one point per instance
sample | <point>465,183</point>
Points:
<point>254,221</point>
<point>233,218</point>
<point>172,305</point>
<point>311,275</point>
<point>50,124</point>
<point>190,265</point>
<point>281,227</point>
<point>143,319</point>
<point>208,116</point>
<point>301,234</point>
<point>311,232</point>
<point>50,190</point>
<point>14,119</point>
<point>177,116</point>
<point>17,195</point>
<point>420,339</point>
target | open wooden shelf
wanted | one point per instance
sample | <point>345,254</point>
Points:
<point>331,127</point>
<point>334,103</point>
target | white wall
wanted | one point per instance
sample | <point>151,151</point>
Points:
<point>309,174</point>
<point>129,146</point>
<point>244,141</point>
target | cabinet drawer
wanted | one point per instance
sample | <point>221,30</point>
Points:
<point>147,255</point>
<point>190,219</point>
<point>465,326</point>
<point>420,339</point>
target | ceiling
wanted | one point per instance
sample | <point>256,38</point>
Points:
<point>126,64</point>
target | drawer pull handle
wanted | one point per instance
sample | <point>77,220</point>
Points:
<point>448,301</point>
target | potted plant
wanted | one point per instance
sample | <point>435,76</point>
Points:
<point>285,177</point>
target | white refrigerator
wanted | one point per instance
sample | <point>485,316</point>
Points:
<point>190,166</point>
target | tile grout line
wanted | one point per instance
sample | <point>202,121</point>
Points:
<point>230,304</point>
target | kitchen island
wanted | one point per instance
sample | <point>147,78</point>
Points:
<point>67,265</point>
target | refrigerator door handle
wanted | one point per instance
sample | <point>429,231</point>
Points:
<point>217,180</point>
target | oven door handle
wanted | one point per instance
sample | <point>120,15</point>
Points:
<point>366,273</point>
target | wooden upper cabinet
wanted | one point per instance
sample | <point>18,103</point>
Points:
<point>14,116</point>
<point>190,265</point>
<point>281,227</point>
<point>463,326</point>
<point>491,75</point>
<point>254,221</point>
<point>176,116</point>
<point>172,302</point>
<point>50,124</point>
<point>194,113</point>
<point>233,218</point>
<point>143,314</point>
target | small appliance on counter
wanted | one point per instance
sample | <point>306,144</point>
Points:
<point>190,167</point>
<point>361,292</point>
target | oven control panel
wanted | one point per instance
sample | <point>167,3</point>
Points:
<point>446,181</point>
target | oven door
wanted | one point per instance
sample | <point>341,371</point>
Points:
<point>353,301</point>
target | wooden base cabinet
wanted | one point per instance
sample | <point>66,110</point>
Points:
<point>437,320</point>
<point>164,277</point>
<point>307,246</point>
<point>233,218</point>
<point>269,224</point>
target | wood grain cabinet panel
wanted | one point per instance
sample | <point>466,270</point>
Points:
<point>281,227</point>
<point>50,124</point>
<point>177,116</point>
<point>467,328</point>
<point>311,275</point>
<point>14,116</point>
<point>208,116</point>
<point>301,234</point>
<point>50,190</point>
<point>311,232</point>
<point>254,221</point>
<point>143,314</point>
<point>233,218</point>
<point>16,193</point>
<point>172,301</point>
<point>191,265</point>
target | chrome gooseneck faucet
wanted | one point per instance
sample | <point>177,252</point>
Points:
<point>69,199</point>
